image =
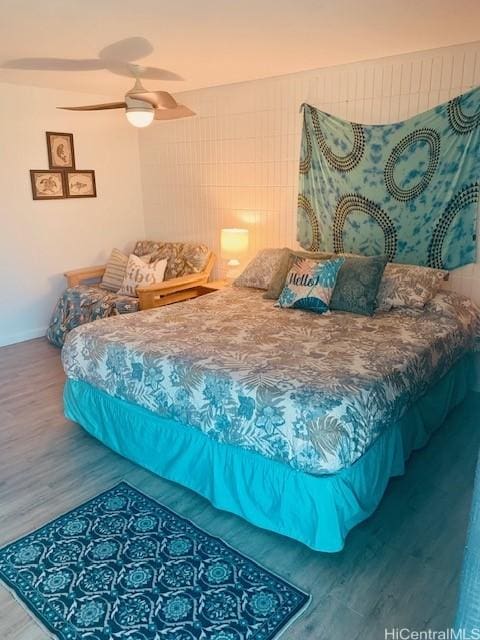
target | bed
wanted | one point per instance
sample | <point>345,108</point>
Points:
<point>295,421</point>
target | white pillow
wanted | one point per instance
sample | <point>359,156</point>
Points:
<point>115,270</point>
<point>138,273</point>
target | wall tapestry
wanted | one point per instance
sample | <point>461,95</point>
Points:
<point>408,189</point>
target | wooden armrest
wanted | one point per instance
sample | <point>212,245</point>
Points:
<point>174,284</point>
<point>174,290</point>
<point>76,276</point>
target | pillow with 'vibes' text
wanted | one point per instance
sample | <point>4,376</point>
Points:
<point>138,273</point>
<point>310,284</point>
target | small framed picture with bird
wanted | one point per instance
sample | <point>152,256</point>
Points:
<point>80,184</point>
<point>61,154</point>
<point>47,185</point>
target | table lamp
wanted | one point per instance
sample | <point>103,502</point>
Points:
<point>233,243</point>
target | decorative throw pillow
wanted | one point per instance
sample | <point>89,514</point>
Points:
<point>286,262</point>
<point>310,284</point>
<point>405,285</point>
<point>259,271</point>
<point>357,285</point>
<point>138,273</point>
<point>115,270</point>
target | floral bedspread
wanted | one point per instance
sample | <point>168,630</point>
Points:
<point>313,391</point>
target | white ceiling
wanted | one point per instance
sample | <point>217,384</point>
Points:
<point>211,42</point>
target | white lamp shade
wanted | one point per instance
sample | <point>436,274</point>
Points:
<point>140,117</point>
<point>233,243</point>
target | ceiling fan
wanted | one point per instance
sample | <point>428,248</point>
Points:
<point>141,106</point>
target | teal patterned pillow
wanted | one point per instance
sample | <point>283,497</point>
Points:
<point>309,284</point>
<point>357,285</point>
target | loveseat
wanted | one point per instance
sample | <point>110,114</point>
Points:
<point>188,267</point>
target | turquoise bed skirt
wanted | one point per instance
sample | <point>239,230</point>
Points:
<point>316,510</point>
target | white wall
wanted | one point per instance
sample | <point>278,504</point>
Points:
<point>237,163</point>
<point>41,239</point>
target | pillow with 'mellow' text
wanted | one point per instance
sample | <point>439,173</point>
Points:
<point>310,284</point>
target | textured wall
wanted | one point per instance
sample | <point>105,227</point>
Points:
<point>236,164</point>
<point>40,240</point>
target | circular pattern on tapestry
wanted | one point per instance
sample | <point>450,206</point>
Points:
<point>425,135</point>
<point>341,163</point>
<point>467,195</point>
<point>353,202</point>
<point>459,120</point>
<point>305,207</point>
<point>306,159</point>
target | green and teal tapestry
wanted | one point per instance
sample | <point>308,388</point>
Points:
<point>408,189</point>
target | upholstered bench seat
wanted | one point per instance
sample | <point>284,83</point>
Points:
<point>83,303</point>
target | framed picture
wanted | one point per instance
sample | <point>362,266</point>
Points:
<point>47,185</point>
<point>80,184</point>
<point>61,154</point>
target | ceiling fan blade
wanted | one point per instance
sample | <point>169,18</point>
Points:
<point>180,111</point>
<point>138,71</point>
<point>155,73</point>
<point>127,49</point>
<point>54,64</point>
<point>158,99</point>
<point>97,107</point>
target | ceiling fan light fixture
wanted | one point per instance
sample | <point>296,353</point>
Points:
<point>140,117</point>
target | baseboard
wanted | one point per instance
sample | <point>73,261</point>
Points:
<point>22,337</point>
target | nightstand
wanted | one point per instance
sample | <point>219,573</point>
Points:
<point>214,285</point>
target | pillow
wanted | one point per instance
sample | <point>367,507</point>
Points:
<point>357,285</point>
<point>286,262</point>
<point>115,270</point>
<point>138,273</point>
<point>310,284</point>
<point>259,271</point>
<point>405,285</point>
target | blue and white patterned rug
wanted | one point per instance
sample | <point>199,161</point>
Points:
<point>122,566</point>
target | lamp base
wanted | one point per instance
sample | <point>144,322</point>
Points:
<point>231,270</point>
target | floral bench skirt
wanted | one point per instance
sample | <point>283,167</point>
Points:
<point>81,304</point>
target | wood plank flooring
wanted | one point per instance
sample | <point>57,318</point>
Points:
<point>400,568</point>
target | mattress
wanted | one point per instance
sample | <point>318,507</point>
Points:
<point>311,391</point>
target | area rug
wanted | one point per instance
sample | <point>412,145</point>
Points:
<point>124,566</point>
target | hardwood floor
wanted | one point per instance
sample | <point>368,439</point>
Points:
<point>400,568</point>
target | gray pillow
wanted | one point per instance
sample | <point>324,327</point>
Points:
<point>410,286</point>
<point>259,271</point>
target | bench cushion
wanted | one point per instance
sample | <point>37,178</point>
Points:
<point>183,258</point>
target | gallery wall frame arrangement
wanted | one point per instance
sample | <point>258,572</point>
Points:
<point>62,179</point>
